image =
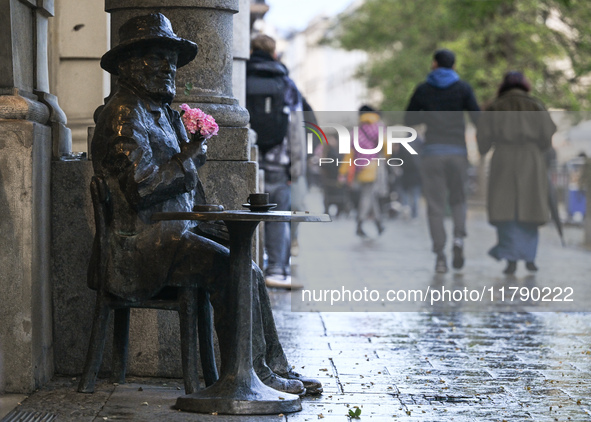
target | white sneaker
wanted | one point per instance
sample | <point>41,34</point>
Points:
<point>282,282</point>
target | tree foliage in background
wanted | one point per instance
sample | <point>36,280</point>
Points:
<point>548,40</point>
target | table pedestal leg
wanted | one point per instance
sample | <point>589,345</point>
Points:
<point>239,390</point>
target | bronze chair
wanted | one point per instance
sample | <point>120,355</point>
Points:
<point>192,305</point>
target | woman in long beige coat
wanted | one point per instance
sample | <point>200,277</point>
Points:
<point>520,129</point>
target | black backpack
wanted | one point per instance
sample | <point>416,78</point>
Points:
<point>269,114</point>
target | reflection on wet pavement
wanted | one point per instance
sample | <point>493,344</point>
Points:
<point>449,366</point>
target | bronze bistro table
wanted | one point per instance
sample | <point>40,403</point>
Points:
<point>239,390</point>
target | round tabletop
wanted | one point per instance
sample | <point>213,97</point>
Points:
<point>242,215</point>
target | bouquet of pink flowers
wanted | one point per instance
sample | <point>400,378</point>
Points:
<point>196,121</point>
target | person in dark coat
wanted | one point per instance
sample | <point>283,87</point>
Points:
<point>520,129</point>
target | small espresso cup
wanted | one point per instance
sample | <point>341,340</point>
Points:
<point>258,199</point>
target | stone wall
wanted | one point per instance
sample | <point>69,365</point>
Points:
<point>72,233</point>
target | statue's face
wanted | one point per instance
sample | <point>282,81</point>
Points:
<point>153,72</point>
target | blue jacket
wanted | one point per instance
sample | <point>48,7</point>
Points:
<point>440,102</point>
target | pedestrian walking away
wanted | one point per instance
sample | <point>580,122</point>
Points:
<point>520,129</point>
<point>439,103</point>
<point>370,179</point>
<point>271,99</point>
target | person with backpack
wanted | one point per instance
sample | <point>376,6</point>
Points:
<point>271,97</point>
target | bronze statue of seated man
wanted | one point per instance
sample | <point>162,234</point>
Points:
<point>141,150</point>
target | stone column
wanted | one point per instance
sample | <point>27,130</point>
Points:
<point>32,129</point>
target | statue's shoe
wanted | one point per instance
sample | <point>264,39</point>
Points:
<point>292,386</point>
<point>313,386</point>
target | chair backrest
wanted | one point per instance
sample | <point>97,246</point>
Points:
<point>101,201</point>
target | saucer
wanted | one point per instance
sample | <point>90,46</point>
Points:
<point>259,208</point>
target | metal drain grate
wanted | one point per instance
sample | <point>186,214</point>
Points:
<point>19,416</point>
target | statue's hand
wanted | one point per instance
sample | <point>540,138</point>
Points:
<point>196,150</point>
<point>195,147</point>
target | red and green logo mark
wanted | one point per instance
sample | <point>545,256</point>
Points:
<point>316,129</point>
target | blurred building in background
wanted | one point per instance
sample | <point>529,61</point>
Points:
<point>258,8</point>
<point>325,75</point>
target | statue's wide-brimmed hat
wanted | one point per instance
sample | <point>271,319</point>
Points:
<point>144,31</point>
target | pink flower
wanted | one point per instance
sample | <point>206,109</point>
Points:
<point>196,120</point>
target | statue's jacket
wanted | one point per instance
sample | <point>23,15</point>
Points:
<point>136,150</point>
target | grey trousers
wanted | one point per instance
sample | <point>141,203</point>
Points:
<point>278,235</point>
<point>444,182</point>
<point>368,203</point>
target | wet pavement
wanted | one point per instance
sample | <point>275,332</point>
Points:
<point>401,366</point>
